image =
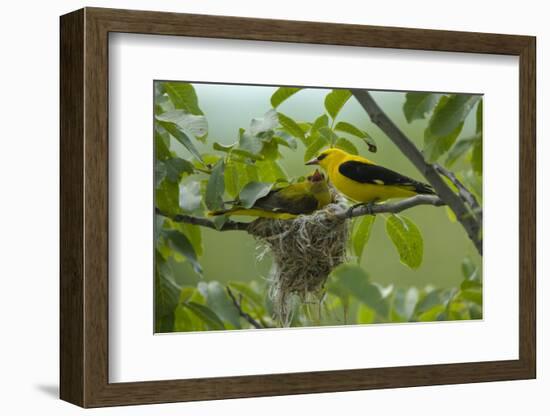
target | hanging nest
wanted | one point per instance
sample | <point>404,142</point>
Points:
<point>305,250</point>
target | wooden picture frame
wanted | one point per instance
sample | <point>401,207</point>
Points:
<point>84,207</point>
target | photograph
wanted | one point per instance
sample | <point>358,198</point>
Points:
<point>289,206</point>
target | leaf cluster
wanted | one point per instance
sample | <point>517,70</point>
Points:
<point>444,138</point>
<point>195,174</point>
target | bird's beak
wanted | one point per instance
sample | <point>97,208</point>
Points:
<point>313,161</point>
<point>317,176</point>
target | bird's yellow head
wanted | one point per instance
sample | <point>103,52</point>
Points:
<point>329,157</point>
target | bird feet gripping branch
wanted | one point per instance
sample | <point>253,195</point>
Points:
<point>368,208</point>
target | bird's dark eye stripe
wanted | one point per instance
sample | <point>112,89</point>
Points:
<point>321,157</point>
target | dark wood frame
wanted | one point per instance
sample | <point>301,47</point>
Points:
<point>84,207</point>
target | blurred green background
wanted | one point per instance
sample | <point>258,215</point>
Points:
<point>233,255</point>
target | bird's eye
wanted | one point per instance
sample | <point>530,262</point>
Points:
<point>321,157</point>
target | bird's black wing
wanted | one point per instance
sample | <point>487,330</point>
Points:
<point>377,175</point>
<point>276,202</point>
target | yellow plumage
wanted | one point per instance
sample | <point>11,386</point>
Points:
<point>288,202</point>
<point>363,181</point>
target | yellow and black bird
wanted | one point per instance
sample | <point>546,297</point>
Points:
<point>365,182</point>
<point>288,202</point>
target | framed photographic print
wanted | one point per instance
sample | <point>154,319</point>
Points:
<point>256,207</point>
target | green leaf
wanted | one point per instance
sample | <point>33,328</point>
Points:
<point>328,134</point>
<point>252,192</point>
<point>459,149</point>
<point>231,178</point>
<point>405,301</point>
<point>205,314</point>
<point>350,129</point>
<point>180,243</point>
<point>472,182</point>
<point>450,113</point>
<point>250,143</point>
<point>175,167</point>
<point>473,295</point>
<point>477,157</point>
<point>160,173</point>
<point>281,94</point>
<point>249,293</point>
<point>407,239</point>
<point>346,145</point>
<point>218,300</point>
<point>290,126</point>
<point>321,121</point>
<point>252,172</point>
<point>167,197</point>
<point>183,96</point>
<point>354,281</point>
<point>305,126</point>
<point>418,104</point>
<point>237,175</point>
<point>270,150</point>
<point>365,315</point>
<point>219,221</point>
<point>428,300</point>
<point>159,90</point>
<point>263,124</point>
<point>335,100</point>
<point>194,235</point>
<point>469,270</point>
<point>355,131</point>
<point>166,298</point>
<point>285,139</point>
<point>190,196</point>
<point>361,234</point>
<point>215,188</point>
<point>186,321</point>
<point>435,146</point>
<point>231,149</point>
<point>468,284</point>
<point>181,137</point>
<point>314,148</point>
<point>269,171</point>
<point>432,314</point>
<point>162,146</point>
<point>191,124</point>
<point>479,117</point>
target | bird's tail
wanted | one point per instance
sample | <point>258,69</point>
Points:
<point>219,212</point>
<point>423,189</point>
<point>253,212</point>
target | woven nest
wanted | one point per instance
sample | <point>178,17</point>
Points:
<point>304,251</point>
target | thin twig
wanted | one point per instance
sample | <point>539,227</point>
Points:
<point>468,197</point>
<point>242,313</point>
<point>391,207</point>
<point>342,211</point>
<point>408,148</point>
<point>204,222</point>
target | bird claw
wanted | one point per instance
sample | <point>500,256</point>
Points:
<point>368,208</point>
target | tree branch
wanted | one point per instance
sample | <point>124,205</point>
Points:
<point>408,148</point>
<point>391,207</point>
<point>204,222</point>
<point>342,211</point>
<point>242,313</point>
<point>468,197</point>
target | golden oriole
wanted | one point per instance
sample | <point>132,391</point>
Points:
<point>288,202</point>
<point>363,181</point>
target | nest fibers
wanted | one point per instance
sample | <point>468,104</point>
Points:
<point>304,250</point>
